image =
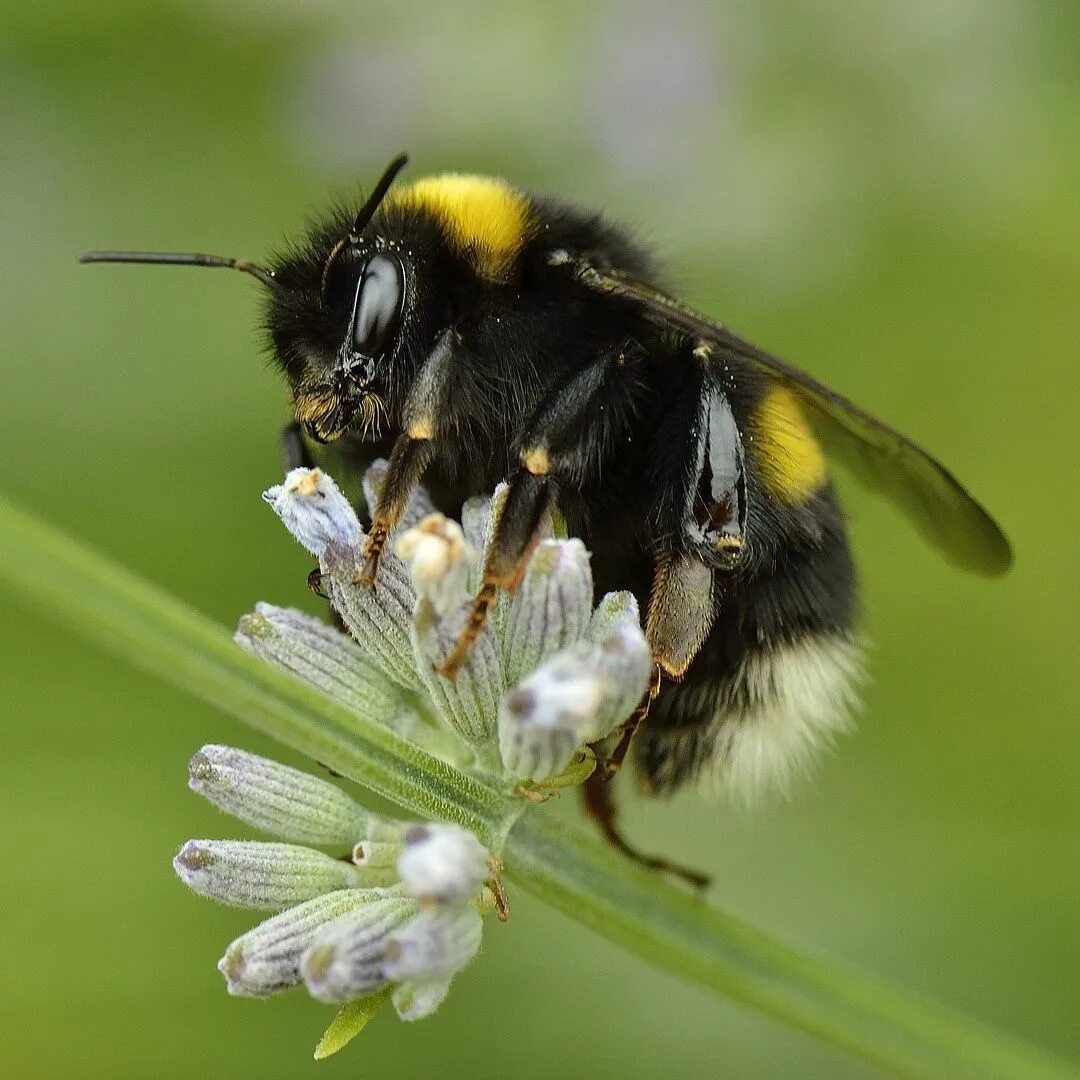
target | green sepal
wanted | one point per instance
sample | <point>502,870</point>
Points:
<point>350,1020</point>
<point>582,766</point>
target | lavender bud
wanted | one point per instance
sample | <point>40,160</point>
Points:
<point>376,854</point>
<point>322,656</point>
<point>468,703</point>
<point>345,960</point>
<point>266,959</point>
<point>442,863</point>
<point>279,800</point>
<point>436,943</point>
<point>380,617</point>
<point>313,509</point>
<point>419,506</point>
<point>418,1000</point>
<point>551,608</point>
<point>268,877</point>
<point>576,697</point>
<point>616,613</point>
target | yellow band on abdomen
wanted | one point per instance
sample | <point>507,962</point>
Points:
<point>789,458</point>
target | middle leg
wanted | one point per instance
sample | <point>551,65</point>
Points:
<point>566,442</point>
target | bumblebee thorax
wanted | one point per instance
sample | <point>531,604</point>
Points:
<point>483,219</point>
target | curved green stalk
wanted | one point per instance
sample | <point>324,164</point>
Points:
<point>559,863</point>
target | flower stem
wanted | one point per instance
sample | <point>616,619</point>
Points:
<point>154,630</point>
<point>559,863</point>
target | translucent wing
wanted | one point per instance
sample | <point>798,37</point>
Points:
<point>886,461</point>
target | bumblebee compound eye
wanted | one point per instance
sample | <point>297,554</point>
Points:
<point>377,313</point>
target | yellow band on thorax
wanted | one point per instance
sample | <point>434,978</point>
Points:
<point>484,219</point>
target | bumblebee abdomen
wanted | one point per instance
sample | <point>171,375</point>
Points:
<point>775,679</point>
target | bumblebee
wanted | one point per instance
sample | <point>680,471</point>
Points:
<point>474,333</point>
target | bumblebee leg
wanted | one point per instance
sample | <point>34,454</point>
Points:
<point>294,451</point>
<point>701,518</point>
<point>527,501</point>
<point>564,442</point>
<point>681,613</point>
<point>609,766</point>
<point>413,451</point>
<point>599,803</point>
<point>682,609</point>
<point>408,462</point>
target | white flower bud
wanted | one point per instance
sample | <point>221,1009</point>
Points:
<point>376,854</point>
<point>281,801</point>
<point>313,509</point>
<point>475,516</point>
<point>266,959</point>
<point>469,702</point>
<point>439,561</point>
<point>436,943</point>
<point>576,697</point>
<point>442,863</point>
<point>345,959</point>
<point>268,877</point>
<point>550,609</point>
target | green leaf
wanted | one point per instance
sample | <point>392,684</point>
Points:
<point>351,1019</point>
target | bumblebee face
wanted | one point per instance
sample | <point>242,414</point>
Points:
<point>339,349</point>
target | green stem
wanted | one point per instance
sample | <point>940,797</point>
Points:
<point>560,864</point>
<point>153,630</point>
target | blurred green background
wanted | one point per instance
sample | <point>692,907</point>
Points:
<point>888,193</point>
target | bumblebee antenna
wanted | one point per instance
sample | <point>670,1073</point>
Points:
<point>367,212</point>
<point>177,258</point>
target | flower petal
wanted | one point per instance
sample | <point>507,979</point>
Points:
<point>313,509</point>
<point>418,1000</point>
<point>436,943</point>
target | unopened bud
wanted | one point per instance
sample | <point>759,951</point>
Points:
<point>439,560</point>
<point>436,943</point>
<point>266,959</point>
<point>346,958</point>
<point>268,877</point>
<point>442,863</point>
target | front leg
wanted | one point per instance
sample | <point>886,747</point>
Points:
<point>294,450</point>
<point>413,451</point>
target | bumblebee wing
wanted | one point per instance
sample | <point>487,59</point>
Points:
<point>881,457</point>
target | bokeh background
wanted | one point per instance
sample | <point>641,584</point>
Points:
<point>887,192</point>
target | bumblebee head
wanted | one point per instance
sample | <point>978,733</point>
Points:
<point>335,313</point>
<point>336,321</point>
<point>339,348</point>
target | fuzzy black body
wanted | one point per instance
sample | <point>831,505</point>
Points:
<point>580,397</point>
